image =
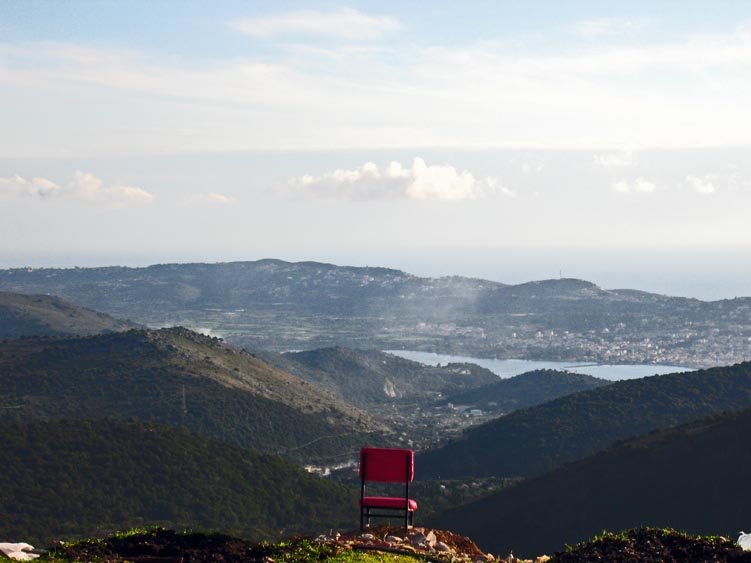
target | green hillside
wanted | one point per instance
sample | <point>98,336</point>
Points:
<point>371,378</point>
<point>531,441</point>
<point>691,478</point>
<point>526,390</point>
<point>180,378</point>
<point>64,479</point>
<point>46,315</point>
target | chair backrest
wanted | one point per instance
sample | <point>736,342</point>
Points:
<point>387,465</point>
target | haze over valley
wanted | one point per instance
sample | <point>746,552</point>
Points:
<point>276,305</point>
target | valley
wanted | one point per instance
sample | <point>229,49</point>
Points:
<point>253,382</point>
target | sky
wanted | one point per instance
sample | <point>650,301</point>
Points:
<point>602,140</point>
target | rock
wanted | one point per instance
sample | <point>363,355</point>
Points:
<point>440,546</point>
<point>367,536</point>
<point>418,539</point>
<point>18,551</point>
<point>430,539</point>
<point>394,539</point>
<point>744,540</point>
<point>542,559</point>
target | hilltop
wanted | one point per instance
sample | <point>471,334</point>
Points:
<point>526,390</point>
<point>693,478</point>
<point>371,378</point>
<point>277,305</point>
<point>536,439</point>
<point>180,378</point>
<point>46,315</point>
<point>82,478</point>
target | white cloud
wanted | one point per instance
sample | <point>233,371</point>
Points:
<point>532,167</point>
<point>701,185</point>
<point>668,92</point>
<point>17,185</point>
<point>344,23</point>
<point>210,198</point>
<point>600,27</point>
<point>619,159</point>
<point>84,187</point>
<point>420,182</point>
<point>88,187</point>
<point>640,185</point>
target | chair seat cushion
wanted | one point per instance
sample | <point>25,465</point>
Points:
<point>388,502</point>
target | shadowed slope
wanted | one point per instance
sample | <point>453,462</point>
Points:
<point>693,478</point>
<point>74,478</point>
<point>370,378</point>
<point>46,315</point>
<point>181,378</point>
<point>537,439</point>
<point>526,390</point>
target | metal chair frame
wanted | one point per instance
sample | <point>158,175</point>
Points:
<point>365,511</point>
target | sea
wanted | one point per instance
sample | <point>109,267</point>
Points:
<point>510,368</point>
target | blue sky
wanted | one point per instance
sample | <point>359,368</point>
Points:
<point>198,29</point>
<point>428,136</point>
<point>196,76</point>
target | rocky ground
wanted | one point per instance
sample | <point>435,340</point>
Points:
<point>432,545</point>
<point>650,545</point>
<point>382,543</point>
<point>166,546</point>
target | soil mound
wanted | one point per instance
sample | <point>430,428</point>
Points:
<point>643,545</point>
<point>649,545</point>
<point>167,546</point>
<point>164,546</point>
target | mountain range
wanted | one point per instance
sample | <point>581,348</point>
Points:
<point>181,428</point>
<point>279,305</point>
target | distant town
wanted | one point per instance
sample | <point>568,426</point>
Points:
<point>279,306</point>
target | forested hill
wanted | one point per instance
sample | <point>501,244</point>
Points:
<point>304,286</point>
<point>314,287</point>
<point>66,479</point>
<point>537,439</point>
<point>692,478</point>
<point>180,378</point>
<point>526,389</point>
<point>371,378</point>
<point>277,305</point>
<point>46,315</point>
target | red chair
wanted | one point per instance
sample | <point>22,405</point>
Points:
<point>387,465</point>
